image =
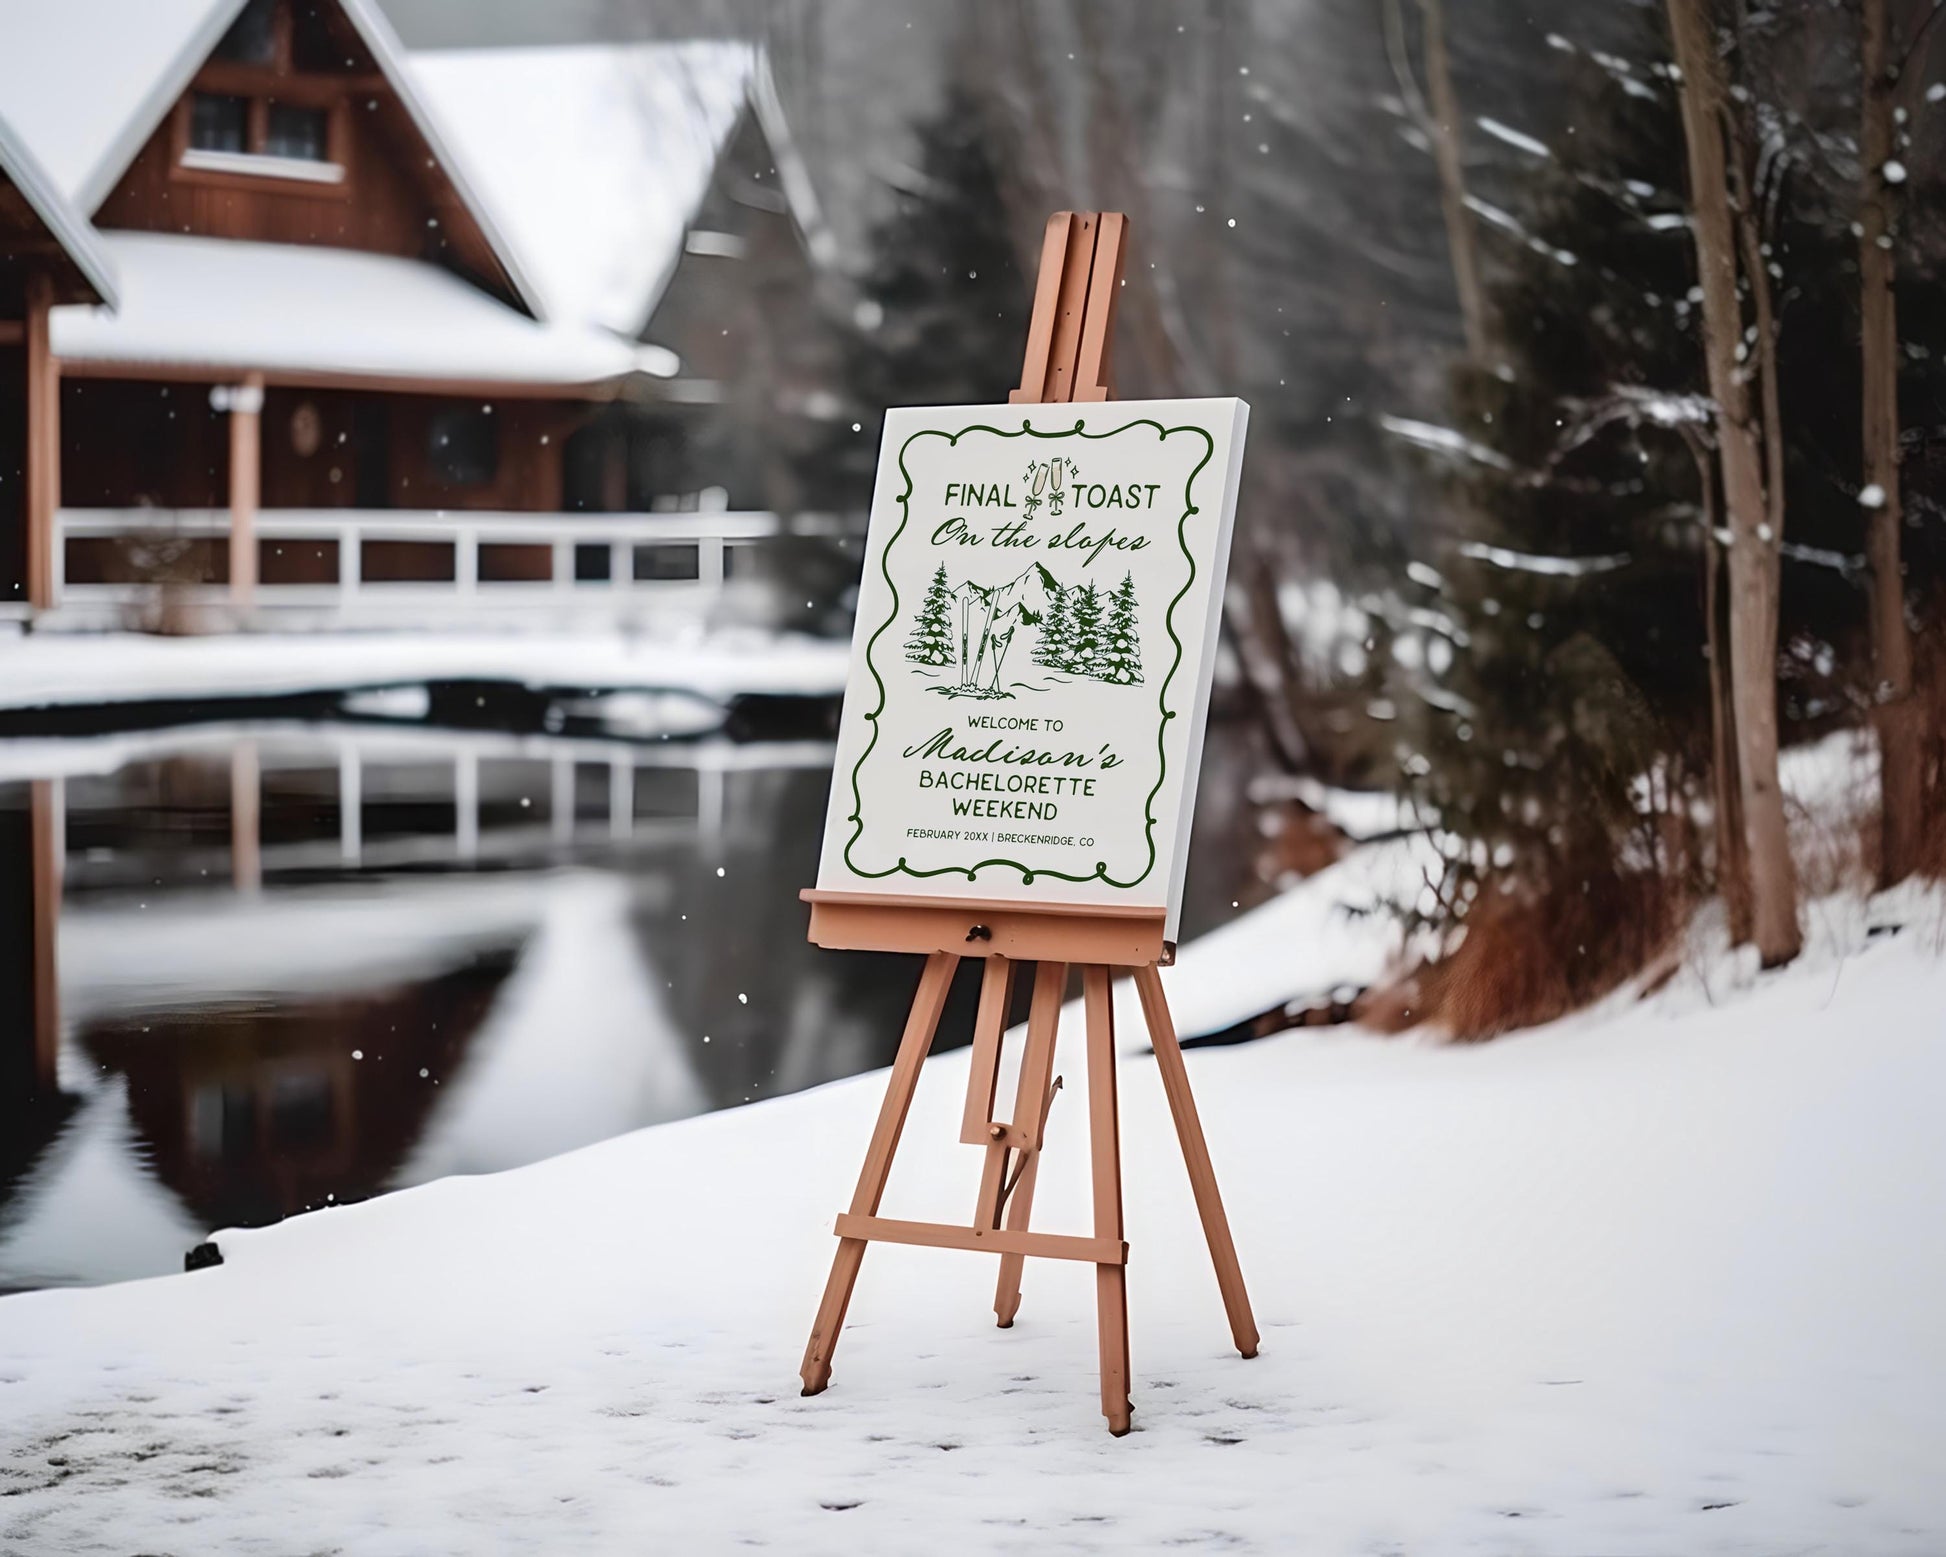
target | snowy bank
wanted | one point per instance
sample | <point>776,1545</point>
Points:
<point>47,670</point>
<point>1662,1278</point>
<point>1333,933</point>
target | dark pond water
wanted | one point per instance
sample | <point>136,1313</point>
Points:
<point>252,969</point>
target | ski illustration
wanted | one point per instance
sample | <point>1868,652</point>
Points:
<point>1077,630</point>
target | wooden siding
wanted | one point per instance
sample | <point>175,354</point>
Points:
<point>132,445</point>
<point>394,199</point>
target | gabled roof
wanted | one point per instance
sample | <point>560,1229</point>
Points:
<point>86,82</point>
<point>65,224</point>
<point>595,156</point>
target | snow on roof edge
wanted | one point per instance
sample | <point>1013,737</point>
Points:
<point>164,90</point>
<point>76,235</point>
<point>448,77</point>
<point>799,191</point>
<point>301,308</point>
<point>800,195</point>
<point>659,289</point>
<point>394,65</point>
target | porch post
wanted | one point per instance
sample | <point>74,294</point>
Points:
<point>710,783</point>
<point>351,805</point>
<point>43,445</point>
<point>560,800</point>
<point>49,846</point>
<point>466,803</point>
<point>246,817</point>
<point>246,485</point>
<point>621,797</point>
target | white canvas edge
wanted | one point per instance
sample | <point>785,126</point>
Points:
<point>883,485</point>
<point>1212,633</point>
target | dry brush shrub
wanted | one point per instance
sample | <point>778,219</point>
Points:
<point>1531,954</point>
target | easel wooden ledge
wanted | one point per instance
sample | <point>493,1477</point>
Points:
<point>1067,359</point>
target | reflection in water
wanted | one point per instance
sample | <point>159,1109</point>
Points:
<point>301,965</point>
<point>305,964</point>
<point>249,1111</point>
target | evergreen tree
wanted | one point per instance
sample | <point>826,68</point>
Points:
<point>1569,621</point>
<point>1052,650</point>
<point>1121,655</point>
<point>931,642</point>
<point>942,311</point>
<point>1563,738</point>
<point>1084,634</point>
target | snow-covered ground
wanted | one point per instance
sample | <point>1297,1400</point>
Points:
<point>48,669</point>
<point>1663,1277</point>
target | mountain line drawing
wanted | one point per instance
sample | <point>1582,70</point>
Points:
<point>1077,630</point>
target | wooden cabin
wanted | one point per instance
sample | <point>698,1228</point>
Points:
<point>328,386</point>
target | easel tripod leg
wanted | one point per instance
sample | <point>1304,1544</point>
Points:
<point>1105,1147</point>
<point>1195,1151</point>
<point>816,1371</point>
<point>920,1025</point>
<point>1006,1292</point>
<point>1030,1113</point>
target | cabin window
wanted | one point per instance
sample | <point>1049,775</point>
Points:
<point>291,131</point>
<point>230,134</point>
<point>258,111</point>
<point>219,123</point>
<point>252,38</point>
<point>461,447</point>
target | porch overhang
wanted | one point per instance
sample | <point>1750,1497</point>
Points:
<point>207,310</point>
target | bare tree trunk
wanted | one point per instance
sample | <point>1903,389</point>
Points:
<point>1754,540</point>
<point>1444,125</point>
<point>1732,858</point>
<point>1900,788</point>
<point>1756,273</point>
<point>1270,665</point>
<point>1732,846</point>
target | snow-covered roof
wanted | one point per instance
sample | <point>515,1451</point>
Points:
<point>273,307</point>
<point>87,81</point>
<point>70,228</point>
<point>594,157</point>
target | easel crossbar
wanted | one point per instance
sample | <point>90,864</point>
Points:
<point>984,1240</point>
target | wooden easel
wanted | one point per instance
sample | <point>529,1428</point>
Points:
<point>1067,359</point>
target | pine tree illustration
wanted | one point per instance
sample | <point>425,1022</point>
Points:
<point>1084,633</point>
<point>931,642</point>
<point>1121,653</point>
<point>1052,650</point>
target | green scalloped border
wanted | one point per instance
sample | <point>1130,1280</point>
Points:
<point>1028,873</point>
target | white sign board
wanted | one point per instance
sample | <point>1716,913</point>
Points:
<point>1030,672</point>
